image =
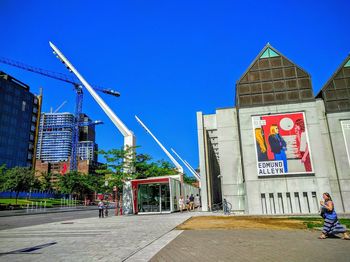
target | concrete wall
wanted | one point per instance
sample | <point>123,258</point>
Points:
<point>288,194</point>
<point>202,161</point>
<point>340,158</point>
<point>230,158</point>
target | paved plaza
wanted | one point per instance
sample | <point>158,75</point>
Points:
<point>153,237</point>
<point>90,239</point>
<point>253,245</point>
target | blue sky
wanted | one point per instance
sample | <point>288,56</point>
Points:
<point>168,59</point>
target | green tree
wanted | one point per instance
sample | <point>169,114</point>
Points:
<point>138,166</point>
<point>18,179</point>
<point>45,180</point>
<point>119,167</point>
<point>189,179</point>
<point>75,183</point>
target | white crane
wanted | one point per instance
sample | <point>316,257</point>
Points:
<point>177,165</point>
<point>129,138</point>
<point>194,173</point>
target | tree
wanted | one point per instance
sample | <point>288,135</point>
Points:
<point>18,179</point>
<point>75,183</point>
<point>117,162</point>
<point>139,166</point>
<point>45,181</point>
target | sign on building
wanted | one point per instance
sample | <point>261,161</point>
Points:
<point>282,144</point>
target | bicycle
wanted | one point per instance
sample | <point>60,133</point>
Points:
<point>224,206</point>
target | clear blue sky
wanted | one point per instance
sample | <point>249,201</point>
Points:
<point>168,59</point>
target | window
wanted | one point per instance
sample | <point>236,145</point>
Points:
<point>24,103</point>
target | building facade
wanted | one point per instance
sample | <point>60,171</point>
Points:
<point>54,145</point>
<point>19,116</point>
<point>281,147</point>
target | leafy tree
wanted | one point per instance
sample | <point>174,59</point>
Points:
<point>117,161</point>
<point>189,180</point>
<point>2,174</point>
<point>18,179</point>
<point>45,180</point>
<point>138,166</point>
<point>75,183</point>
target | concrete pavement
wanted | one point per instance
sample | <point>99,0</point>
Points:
<point>90,239</point>
<point>254,245</point>
<point>152,237</point>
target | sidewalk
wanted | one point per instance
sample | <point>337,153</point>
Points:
<point>91,239</point>
<point>253,245</point>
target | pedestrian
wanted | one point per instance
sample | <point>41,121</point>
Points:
<point>187,203</point>
<point>331,224</point>
<point>197,202</point>
<point>191,202</point>
<point>181,203</point>
<point>100,209</point>
<point>106,208</point>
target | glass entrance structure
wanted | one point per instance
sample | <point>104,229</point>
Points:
<point>159,194</point>
<point>153,198</point>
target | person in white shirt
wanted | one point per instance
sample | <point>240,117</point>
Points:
<point>100,209</point>
<point>181,203</point>
<point>197,201</point>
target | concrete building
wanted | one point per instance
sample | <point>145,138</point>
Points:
<point>280,148</point>
<point>19,116</point>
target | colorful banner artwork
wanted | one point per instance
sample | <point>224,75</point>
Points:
<point>282,144</point>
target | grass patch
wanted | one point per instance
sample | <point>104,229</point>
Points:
<point>315,222</point>
<point>50,202</point>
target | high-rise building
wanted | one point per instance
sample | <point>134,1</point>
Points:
<point>55,142</point>
<point>19,111</point>
<point>55,137</point>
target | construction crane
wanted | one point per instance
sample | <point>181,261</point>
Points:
<point>79,99</point>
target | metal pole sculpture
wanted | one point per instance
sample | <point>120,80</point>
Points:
<point>194,173</point>
<point>177,165</point>
<point>129,138</point>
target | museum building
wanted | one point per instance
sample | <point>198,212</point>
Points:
<point>280,147</point>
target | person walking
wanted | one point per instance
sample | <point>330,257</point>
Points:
<point>181,203</point>
<point>197,202</point>
<point>187,203</point>
<point>100,209</point>
<point>331,224</point>
<point>106,208</point>
<point>191,202</point>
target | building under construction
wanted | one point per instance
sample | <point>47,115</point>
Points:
<point>55,142</point>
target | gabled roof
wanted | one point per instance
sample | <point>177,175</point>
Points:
<point>266,52</point>
<point>345,63</point>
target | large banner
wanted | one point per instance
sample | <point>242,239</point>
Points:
<point>282,144</point>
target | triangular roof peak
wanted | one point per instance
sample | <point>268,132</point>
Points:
<point>345,63</point>
<point>268,51</point>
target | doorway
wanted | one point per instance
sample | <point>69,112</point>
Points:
<point>153,198</point>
